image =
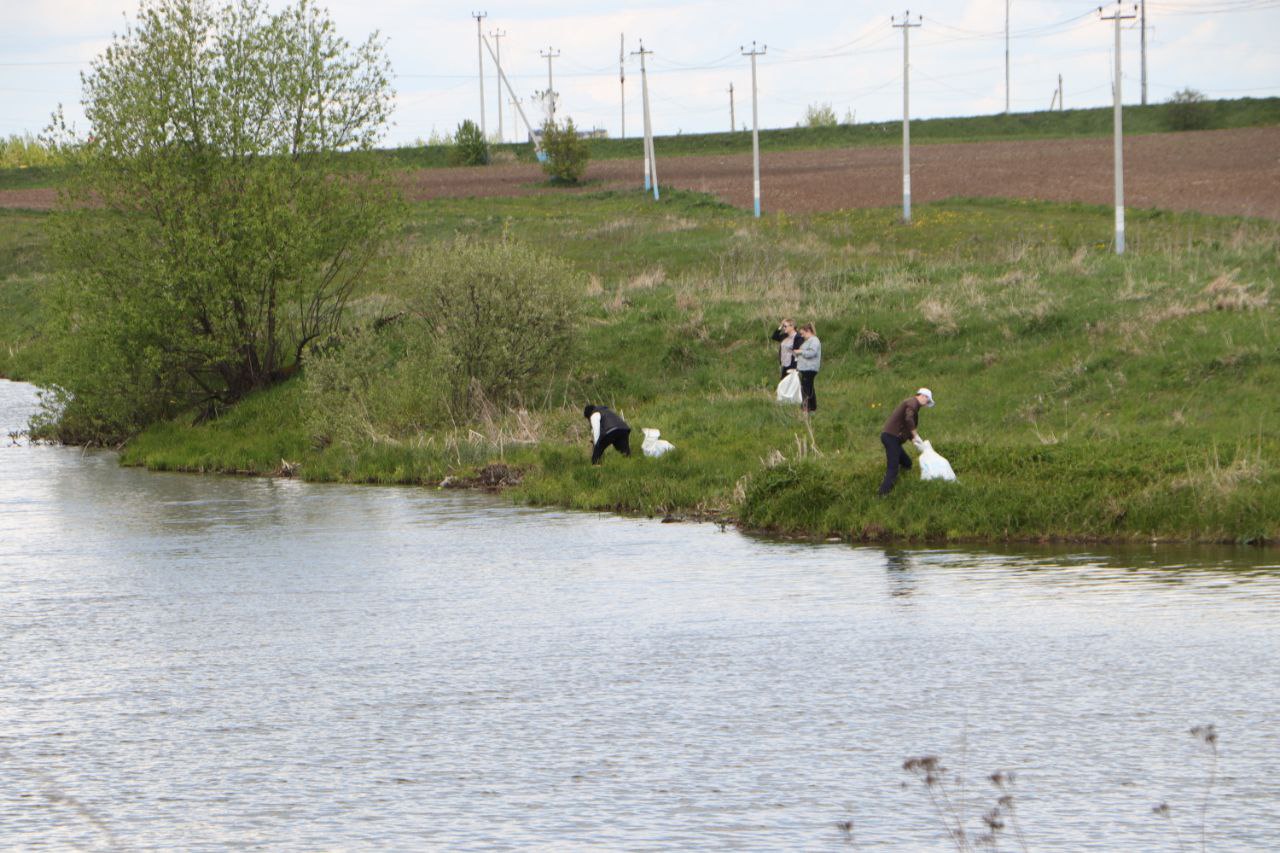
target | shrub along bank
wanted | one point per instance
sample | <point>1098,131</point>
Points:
<point>1080,395</point>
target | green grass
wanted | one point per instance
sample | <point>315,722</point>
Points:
<point>1081,395</point>
<point>1220,115</point>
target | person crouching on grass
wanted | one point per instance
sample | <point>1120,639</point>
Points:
<point>902,426</point>
<point>607,428</point>
<point>808,362</point>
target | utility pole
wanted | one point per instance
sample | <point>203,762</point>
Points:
<point>515,105</point>
<point>1119,135</point>
<point>480,16</point>
<point>650,161</point>
<point>622,79</point>
<point>906,26</point>
<point>1006,56</point>
<point>1144,52</point>
<point>755,125</point>
<point>732,120</point>
<point>497,50</point>
<point>551,54</point>
<point>1059,93</point>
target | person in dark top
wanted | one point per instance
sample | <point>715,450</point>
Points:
<point>788,340</point>
<point>902,426</point>
<point>607,428</point>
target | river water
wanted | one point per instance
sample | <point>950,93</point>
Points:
<point>213,662</point>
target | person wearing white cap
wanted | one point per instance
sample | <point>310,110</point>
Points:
<point>902,426</point>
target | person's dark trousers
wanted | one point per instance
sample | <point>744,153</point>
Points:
<point>808,397</point>
<point>620,439</point>
<point>894,458</point>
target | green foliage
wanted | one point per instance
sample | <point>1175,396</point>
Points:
<point>25,151</point>
<point>486,327</point>
<point>1188,110</point>
<point>384,383</point>
<point>505,312</point>
<point>218,244</point>
<point>470,148</point>
<point>567,152</point>
<point>819,115</point>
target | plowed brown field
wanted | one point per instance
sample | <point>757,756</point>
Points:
<point>1234,172</point>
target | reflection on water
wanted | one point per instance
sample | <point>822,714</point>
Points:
<point>209,662</point>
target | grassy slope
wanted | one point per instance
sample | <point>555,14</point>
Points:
<point>1081,395</point>
<point>1241,112</point>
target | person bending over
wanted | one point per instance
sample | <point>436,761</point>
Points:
<point>902,426</point>
<point>607,428</point>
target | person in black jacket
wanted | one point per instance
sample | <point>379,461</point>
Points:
<point>607,428</point>
<point>788,341</point>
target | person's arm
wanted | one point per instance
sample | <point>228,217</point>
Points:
<point>595,427</point>
<point>778,334</point>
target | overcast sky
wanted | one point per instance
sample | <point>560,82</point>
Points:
<point>842,53</point>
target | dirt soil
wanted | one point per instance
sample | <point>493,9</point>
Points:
<point>1233,172</point>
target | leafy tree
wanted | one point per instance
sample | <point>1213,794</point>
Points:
<point>819,115</point>
<point>470,148</point>
<point>211,233</point>
<point>1187,110</point>
<point>567,152</point>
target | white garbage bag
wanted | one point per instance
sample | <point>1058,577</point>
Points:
<point>654,446</point>
<point>932,465</point>
<point>789,388</point>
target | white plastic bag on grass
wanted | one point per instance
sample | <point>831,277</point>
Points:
<point>789,388</point>
<point>932,465</point>
<point>654,446</point>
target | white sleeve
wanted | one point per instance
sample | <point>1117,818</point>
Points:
<point>595,427</point>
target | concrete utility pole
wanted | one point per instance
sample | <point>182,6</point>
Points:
<point>1144,52</point>
<point>515,105</point>
<point>551,54</point>
<point>497,62</point>
<point>1006,56</point>
<point>622,80</point>
<point>515,102</point>
<point>650,161</point>
<point>1119,135</point>
<point>755,125</point>
<point>1059,93</point>
<point>732,121</point>
<point>906,26</point>
<point>480,16</point>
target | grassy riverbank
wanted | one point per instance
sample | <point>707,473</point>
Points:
<point>1046,124</point>
<point>1081,396</point>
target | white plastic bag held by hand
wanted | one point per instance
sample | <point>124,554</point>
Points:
<point>654,446</point>
<point>789,388</point>
<point>932,465</point>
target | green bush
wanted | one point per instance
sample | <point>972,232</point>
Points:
<point>507,313</point>
<point>567,152</point>
<point>820,115</point>
<point>383,384</point>
<point>487,327</point>
<point>470,148</point>
<point>1187,110</point>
